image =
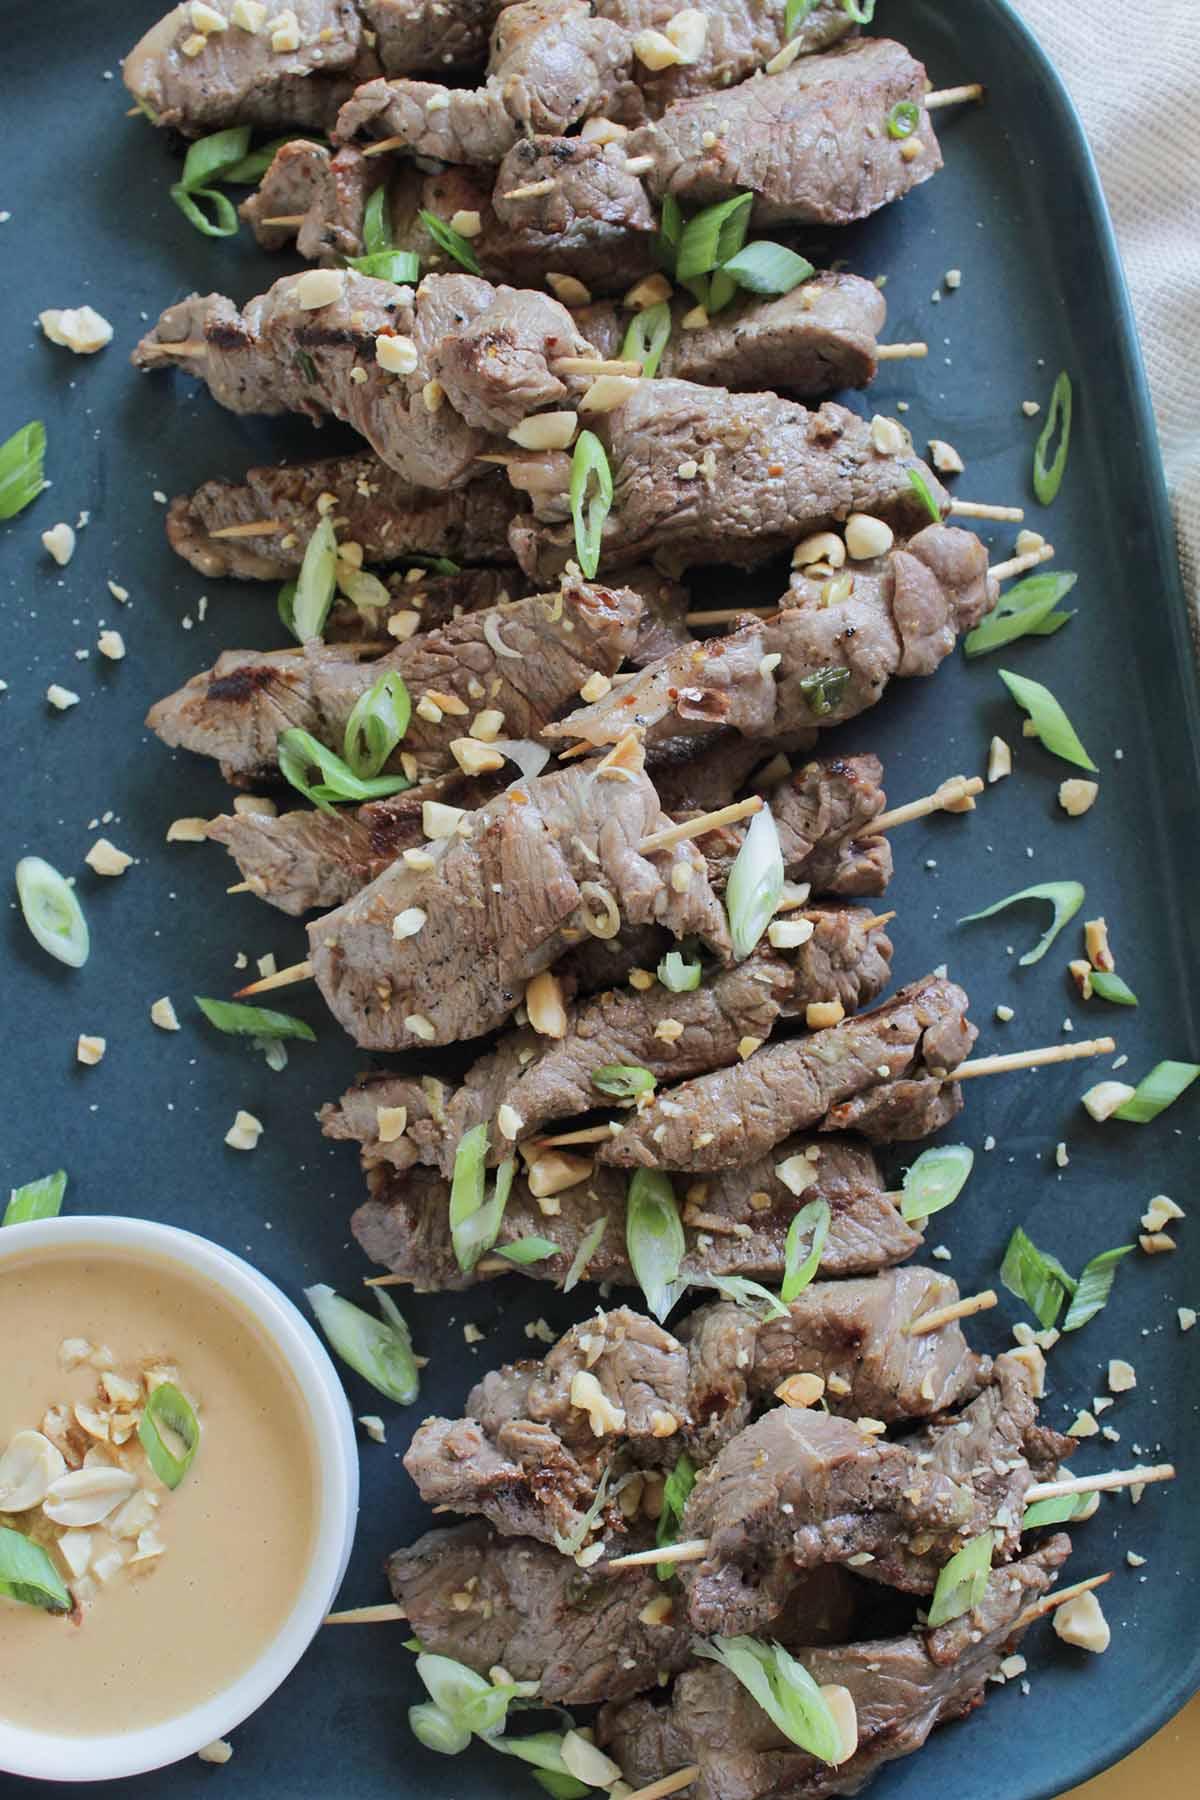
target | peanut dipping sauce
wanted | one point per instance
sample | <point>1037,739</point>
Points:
<point>238,1530</point>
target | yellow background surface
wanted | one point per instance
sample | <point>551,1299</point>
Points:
<point>1167,1768</point>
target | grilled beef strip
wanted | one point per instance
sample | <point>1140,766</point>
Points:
<point>900,617</point>
<point>545,1079</point>
<point>239,77</point>
<point>901,1687</point>
<point>701,475</point>
<point>800,1488</point>
<point>236,710</point>
<point>715,1121</point>
<point>810,144</point>
<point>389,518</point>
<point>736,1222</point>
<point>484,1599</point>
<point>528,1457</point>
<point>504,897</point>
<point>486,351</point>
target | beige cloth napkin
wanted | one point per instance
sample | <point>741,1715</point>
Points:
<point>1134,74</point>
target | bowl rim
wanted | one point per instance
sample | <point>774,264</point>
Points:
<point>54,1757</point>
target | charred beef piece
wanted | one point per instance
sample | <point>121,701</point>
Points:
<point>404,1224</point>
<point>619,1392</point>
<point>801,1488</point>
<point>901,617</point>
<point>742,36</point>
<point>241,78</point>
<point>236,710</point>
<point>500,904</point>
<point>488,350</point>
<point>901,1688</point>
<point>767,473</point>
<point>388,517</point>
<point>717,1120</point>
<point>484,1599</point>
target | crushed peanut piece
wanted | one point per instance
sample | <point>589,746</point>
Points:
<point>1095,937</point>
<point>1077,797</point>
<point>77,328</point>
<point>390,1123</point>
<point>162,1014</point>
<point>106,859</point>
<point>820,1014</point>
<point>90,1050</point>
<point>245,1131</point>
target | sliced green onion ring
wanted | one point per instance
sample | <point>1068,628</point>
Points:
<point>437,1730</point>
<point>903,119</point>
<point>861,11</point>
<point>209,157</point>
<point>168,1407</point>
<point>784,1690</point>
<point>1036,1277</point>
<point>794,16</point>
<point>767,268</point>
<point>1021,611</point>
<point>647,337</point>
<point>678,976</point>
<point>377,225</point>
<point>935,1180</point>
<point>22,468</point>
<point>475,1220</point>
<point>924,494</point>
<point>377,722</point>
<point>1053,727</point>
<point>1094,1286</point>
<point>28,1575</point>
<point>1053,1512</point>
<point>188,200</point>
<point>52,911</point>
<point>655,1240</point>
<point>824,688</point>
<point>1048,480</point>
<point>810,1225</point>
<point>962,1583</point>
<point>316,582</point>
<point>676,1488</point>
<point>402,267</point>
<point>523,1251</point>
<point>380,1350</point>
<point>1156,1091</point>
<point>567,1543</point>
<point>41,1199</point>
<point>1066,898</point>
<point>623,1081</point>
<point>588,1247</point>
<point>589,506</point>
<point>711,237</point>
<point>285,606</point>
<point>755,885</point>
<point>251,168</point>
<point>451,241</point>
<point>298,751</point>
<point>1111,988</point>
<point>750,1295</point>
<point>240,1020</point>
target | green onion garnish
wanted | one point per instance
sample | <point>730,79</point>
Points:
<point>41,1199</point>
<point>1047,481</point>
<point>1024,610</point>
<point>588,1247</point>
<point>567,1543</point>
<point>810,1226</point>
<point>823,688</point>
<point>655,1240</point>
<point>377,224</point>
<point>926,498</point>
<point>935,1180</point>
<point>750,1295</point>
<point>437,1730</point>
<point>624,1081</point>
<point>316,582</point>
<point>647,338</point>
<point>28,1575</point>
<point>22,461</point>
<point>169,1408</point>
<point>475,1219</point>
<point>1036,1277</point>
<point>52,912</point>
<point>1094,1286</point>
<point>711,237</point>
<point>1112,988</point>
<point>676,1488</point>
<point>380,1350</point>
<point>1053,1512</point>
<point>794,16</point>
<point>437,565</point>
<point>1053,727</point>
<point>766,268</point>
<point>783,1688</point>
<point>589,510</point>
<point>307,366</point>
<point>249,171</point>
<point>962,1583</point>
<point>398,266</point>
<point>470,1699</point>
<point>861,11</point>
<point>523,1251</point>
<point>451,241</point>
<point>903,119</point>
<point>544,1750</point>
<point>1156,1091</point>
<point>239,1020</point>
<point>377,722</point>
<point>298,751</point>
<point>1066,898</point>
<point>210,159</point>
<point>678,976</point>
<point>285,606</point>
<point>755,885</point>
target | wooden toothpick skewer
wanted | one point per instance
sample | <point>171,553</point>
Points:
<point>587,1134</point>
<point>186,347</point>
<point>1100,1484</point>
<point>532,190</point>
<point>698,827</point>
<point>594,365</point>
<point>667,1784</point>
<point>690,1550</point>
<point>883,352</point>
<point>254,528</point>
<point>1052,1601</point>
<point>980,509</point>
<point>388,143</point>
<point>242,887</point>
<point>387,1613</point>
<point>638,165</point>
<point>1017,565</point>
<point>955,96</point>
<point>301,971</point>
<point>947,797</point>
<point>965,1308</point>
<point>725,615</point>
<point>1034,1059</point>
<point>288,219</point>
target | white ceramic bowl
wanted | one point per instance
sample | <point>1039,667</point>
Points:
<point>56,1758</point>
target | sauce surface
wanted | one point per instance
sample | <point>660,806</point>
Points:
<point>238,1530</point>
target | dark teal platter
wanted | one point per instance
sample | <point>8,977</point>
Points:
<point>1018,209</point>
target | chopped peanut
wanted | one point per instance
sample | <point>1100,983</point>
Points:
<point>1095,937</point>
<point>819,1014</point>
<point>1077,797</point>
<point>999,760</point>
<point>544,1004</point>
